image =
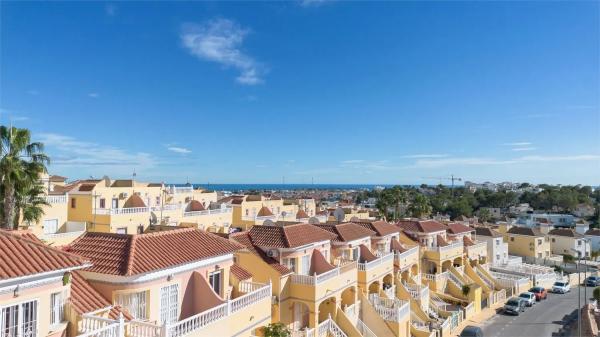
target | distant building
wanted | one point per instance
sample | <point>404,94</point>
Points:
<point>556,220</point>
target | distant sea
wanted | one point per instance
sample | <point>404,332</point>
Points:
<point>285,187</point>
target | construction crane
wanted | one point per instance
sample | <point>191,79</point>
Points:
<point>452,178</point>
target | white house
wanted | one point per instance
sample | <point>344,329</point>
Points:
<point>565,240</point>
<point>497,248</point>
<point>594,236</point>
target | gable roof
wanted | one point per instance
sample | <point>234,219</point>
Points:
<point>134,201</point>
<point>457,228</point>
<point>291,236</point>
<point>593,231</point>
<point>525,231</point>
<point>243,238</point>
<point>264,211</point>
<point>425,226</point>
<point>346,232</point>
<point>22,257</point>
<point>85,299</point>
<point>240,273</point>
<point>380,227</point>
<point>487,231</point>
<point>567,232</point>
<point>301,214</point>
<point>123,254</point>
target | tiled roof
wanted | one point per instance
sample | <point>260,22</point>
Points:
<point>487,231</point>
<point>467,241</point>
<point>56,178</point>
<point>457,228</point>
<point>195,206</point>
<point>264,211</point>
<point>568,232</point>
<point>26,234</point>
<point>441,242</point>
<point>593,231</point>
<point>24,257</point>
<point>86,187</point>
<point>240,273</point>
<point>525,231</point>
<point>380,227</point>
<point>426,226</point>
<point>243,238</point>
<point>122,254</point>
<point>288,236</point>
<point>134,201</point>
<point>301,214</point>
<point>345,232</point>
<point>86,299</point>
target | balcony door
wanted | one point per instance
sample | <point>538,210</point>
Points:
<point>50,226</point>
<point>19,320</point>
<point>215,280</point>
<point>169,303</point>
<point>115,203</point>
<point>305,265</point>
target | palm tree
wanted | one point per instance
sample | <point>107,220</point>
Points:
<point>29,202</point>
<point>420,206</point>
<point>21,162</point>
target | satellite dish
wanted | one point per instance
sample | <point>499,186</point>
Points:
<point>338,214</point>
<point>268,222</point>
<point>313,221</point>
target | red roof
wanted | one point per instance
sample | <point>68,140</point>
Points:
<point>86,299</point>
<point>134,201</point>
<point>301,214</point>
<point>345,232</point>
<point>264,211</point>
<point>195,206</point>
<point>240,273</point>
<point>467,241</point>
<point>457,228</point>
<point>288,236</point>
<point>244,239</point>
<point>426,226</point>
<point>24,257</point>
<point>122,254</point>
<point>380,227</point>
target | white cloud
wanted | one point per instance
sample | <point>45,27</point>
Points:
<point>177,149</point>
<point>353,161</point>
<point>434,163</point>
<point>419,156</point>
<point>307,3</point>
<point>518,144</point>
<point>582,157</point>
<point>93,94</point>
<point>67,151</point>
<point>220,41</point>
<point>530,148</point>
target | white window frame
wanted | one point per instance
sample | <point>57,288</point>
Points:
<point>169,303</point>
<point>290,263</point>
<point>50,229</point>
<point>57,307</point>
<point>136,303</point>
<point>220,273</point>
<point>16,326</point>
<point>305,262</point>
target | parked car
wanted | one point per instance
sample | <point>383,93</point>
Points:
<point>528,297</point>
<point>539,292</point>
<point>592,281</point>
<point>561,287</point>
<point>514,306</point>
<point>471,331</point>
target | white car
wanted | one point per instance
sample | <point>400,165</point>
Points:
<point>528,297</point>
<point>561,287</point>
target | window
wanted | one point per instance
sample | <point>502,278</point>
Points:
<point>169,303</point>
<point>214,279</point>
<point>355,254</point>
<point>19,320</point>
<point>102,203</point>
<point>512,238</point>
<point>115,203</point>
<point>122,230</point>
<point>305,265</point>
<point>135,303</point>
<point>50,226</point>
<point>247,212</point>
<point>579,242</point>
<point>553,240</point>
<point>540,242</point>
<point>57,308</point>
<point>158,201</point>
<point>290,263</point>
<point>73,202</point>
<point>497,241</point>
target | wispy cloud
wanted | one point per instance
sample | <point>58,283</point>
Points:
<point>581,157</point>
<point>419,156</point>
<point>518,144</point>
<point>220,41</point>
<point>307,3</point>
<point>177,149</point>
<point>93,95</point>
<point>530,148</point>
<point>70,152</point>
<point>353,161</point>
<point>482,161</point>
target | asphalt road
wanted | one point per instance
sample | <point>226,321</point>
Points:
<point>545,319</point>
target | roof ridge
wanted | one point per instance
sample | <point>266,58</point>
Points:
<point>130,253</point>
<point>27,241</point>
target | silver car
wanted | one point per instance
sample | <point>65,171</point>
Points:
<point>514,306</point>
<point>528,297</point>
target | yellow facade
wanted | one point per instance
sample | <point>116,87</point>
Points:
<point>528,246</point>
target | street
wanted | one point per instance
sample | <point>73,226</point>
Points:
<point>544,319</point>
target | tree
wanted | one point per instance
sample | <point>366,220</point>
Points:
<point>484,214</point>
<point>596,294</point>
<point>594,254</point>
<point>466,289</point>
<point>29,202</point>
<point>21,163</point>
<point>276,330</point>
<point>419,206</point>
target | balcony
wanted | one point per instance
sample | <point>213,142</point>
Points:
<point>406,259</point>
<point>68,232</point>
<point>311,287</point>
<point>56,199</point>
<point>257,218</point>
<point>369,271</point>
<point>393,310</point>
<point>448,252</point>
<point>180,189</point>
<point>121,211</point>
<point>208,212</point>
<point>476,251</point>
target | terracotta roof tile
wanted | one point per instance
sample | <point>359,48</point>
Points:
<point>84,298</point>
<point>240,273</point>
<point>288,236</point>
<point>195,206</point>
<point>487,231</point>
<point>264,211</point>
<point>345,232</point>
<point>380,227</point>
<point>134,201</point>
<point>568,232</point>
<point>525,231</point>
<point>24,257</point>
<point>122,254</point>
<point>426,226</point>
<point>467,241</point>
<point>301,214</point>
<point>593,232</point>
<point>441,242</point>
<point>457,228</point>
<point>243,238</point>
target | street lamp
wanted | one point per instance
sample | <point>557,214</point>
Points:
<point>578,291</point>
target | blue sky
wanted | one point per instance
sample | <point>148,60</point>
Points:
<point>342,92</point>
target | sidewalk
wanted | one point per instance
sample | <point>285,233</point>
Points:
<point>476,320</point>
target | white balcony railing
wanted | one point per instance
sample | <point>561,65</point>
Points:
<point>408,253</point>
<point>436,277</point>
<point>199,321</point>
<point>180,189</point>
<point>56,199</point>
<point>119,211</point>
<point>390,309</point>
<point>443,249</point>
<point>208,212</point>
<point>320,278</point>
<point>376,263</point>
<point>168,207</point>
<point>364,329</point>
<point>390,292</point>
